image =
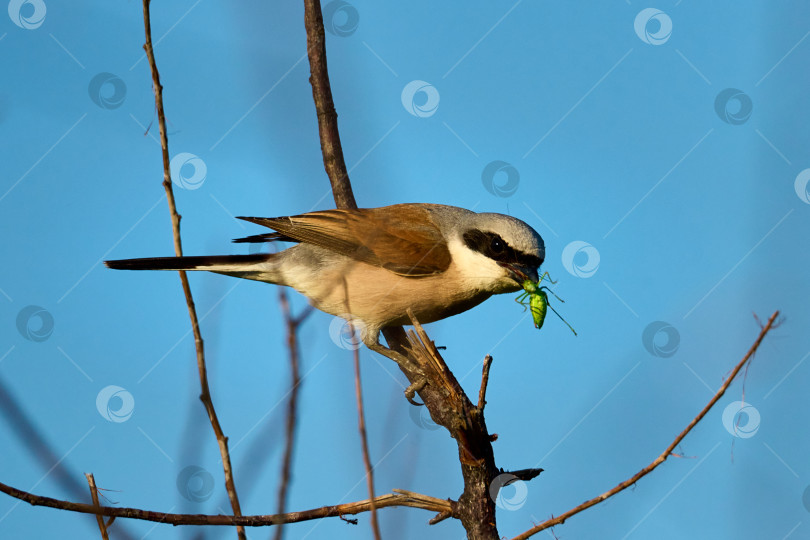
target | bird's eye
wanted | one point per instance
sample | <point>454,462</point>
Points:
<point>496,245</point>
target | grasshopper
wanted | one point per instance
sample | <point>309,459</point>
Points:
<point>538,300</point>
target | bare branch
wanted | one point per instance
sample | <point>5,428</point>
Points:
<point>327,116</point>
<point>205,395</point>
<point>361,426</point>
<point>666,453</point>
<point>482,393</point>
<point>410,499</point>
<point>361,420</point>
<point>94,494</point>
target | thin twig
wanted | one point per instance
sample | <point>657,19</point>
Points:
<point>424,502</point>
<point>665,454</point>
<point>482,393</point>
<point>361,419</point>
<point>205,395</point>
<point>94,494</point>
<point>291,324</point>
<point>361,426</point>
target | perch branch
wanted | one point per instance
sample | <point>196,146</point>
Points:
<point>413,500</point>
<point>447,403</point>
<point>666,453</point>
<point>205,395</point>
<point>450,407</point>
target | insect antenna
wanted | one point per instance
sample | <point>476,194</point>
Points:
<point>561,318</point>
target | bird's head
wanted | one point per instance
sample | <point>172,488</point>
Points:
<point>503,250</point>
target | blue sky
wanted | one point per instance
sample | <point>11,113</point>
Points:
<point>665,146</point>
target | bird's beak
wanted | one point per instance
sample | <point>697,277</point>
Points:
<point>521,273</point>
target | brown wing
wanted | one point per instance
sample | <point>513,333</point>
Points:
<point>401,238</point>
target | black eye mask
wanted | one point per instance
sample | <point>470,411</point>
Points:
<point>497,249</point>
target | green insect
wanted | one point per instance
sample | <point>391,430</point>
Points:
<point>538,300</point>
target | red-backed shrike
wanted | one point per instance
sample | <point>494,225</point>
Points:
<point>375,263</point>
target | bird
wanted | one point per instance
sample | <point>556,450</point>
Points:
<point>370,265</point>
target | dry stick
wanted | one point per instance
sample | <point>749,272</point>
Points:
<point>410,499</point>
<point>94,494</point>
<point>665,454</point>
<point>205,395</point>
<point>327,116</point>
<point>482,393</point>
<point>292,324</point>
<point>361,426</point>
<point>361,418</point>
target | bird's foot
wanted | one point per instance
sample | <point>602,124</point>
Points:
<point>413,388</point>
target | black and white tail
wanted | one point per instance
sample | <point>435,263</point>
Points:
<point>259,266</point>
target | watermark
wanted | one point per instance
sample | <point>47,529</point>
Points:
<point>661,339</point>
<point>500,178</point>
<point>508,491</point>
<point>580,259</point>
<point>115,404</point>
<point>35,323</point>
<point>188,171</point>
<point>347,335</point>
<point>741,419</point>
<point>28,14</point>
<point>195,484</point>
<point>800,185</point>
<point>340,18</point>
<point>420,98</point>
<point>421,417</point>
<point>107,90</point>
<point>733,106</point>
<point>806,498</point>
<point>653,26</point>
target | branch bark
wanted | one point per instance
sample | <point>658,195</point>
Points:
<point>205,395</point>
<point>666,453</point>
